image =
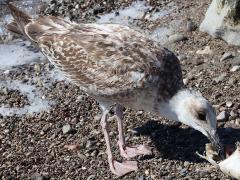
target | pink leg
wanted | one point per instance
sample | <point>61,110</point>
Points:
<point>128,152</point>
<point>116,167</point>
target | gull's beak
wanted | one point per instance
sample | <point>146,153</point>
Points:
<point>213,137</point>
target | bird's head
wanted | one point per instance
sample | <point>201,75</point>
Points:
<point>192,109</point>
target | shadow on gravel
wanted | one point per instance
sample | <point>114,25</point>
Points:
<point>181,143</point>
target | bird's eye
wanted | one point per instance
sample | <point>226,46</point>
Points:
<point>202,116</point>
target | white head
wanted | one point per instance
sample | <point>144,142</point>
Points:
<point>192,109</point>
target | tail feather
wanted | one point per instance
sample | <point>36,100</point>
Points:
<point>47,25</point>
<point>21,19</point>
<point>34,29</point>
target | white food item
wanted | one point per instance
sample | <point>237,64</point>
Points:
<point>230,166</point>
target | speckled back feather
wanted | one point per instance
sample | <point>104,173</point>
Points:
<point>106,59</point>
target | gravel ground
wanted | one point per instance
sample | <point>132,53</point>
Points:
<point>35,146</point>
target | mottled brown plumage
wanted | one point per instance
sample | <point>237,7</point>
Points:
<point>108,61</point>
<point>116,64</point>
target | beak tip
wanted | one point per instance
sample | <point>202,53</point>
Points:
<point>218,146</point>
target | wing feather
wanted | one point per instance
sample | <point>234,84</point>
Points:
<point>107,59</point>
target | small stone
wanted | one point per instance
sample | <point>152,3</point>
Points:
<point>185,81</point>
<point>40,177</point>
<point>94,154</point>
<point>81,98</point>
<point>235,68</point>
<point>141,177</point>
<point>232,122</point>
<point>141,15</point>
<point>135,132</point>
<point>233,114</point>
<point>235,61</point>
<point>182,57</point>
<point>183,172</point>
<point>147,172</point>
<point>6,72</point>
<point>37,68</point>
<point>232,80</point>
<point>237,122</point>
<point>139,113</point>
<point>229,104</point>
<point>72,147</point>
<point>186,163</point>
<point>66,129</point>
<point>90,143</point>
<point>176,38</point>
<point>191,26</point>
<point>220,78</point>
<point>81,156</point>
<point>91,177</point>
<point>97,117</point>
<point>199,61</point>
<point>206,50</point>
<point>226,55</point>
<point>222,116</point>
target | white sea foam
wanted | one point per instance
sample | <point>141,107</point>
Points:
<point>36,102</point>
<point>134,11</point>
<point>161,34</point>
<point>15,54</point>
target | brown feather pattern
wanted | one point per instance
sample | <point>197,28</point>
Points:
<point>111,62</point>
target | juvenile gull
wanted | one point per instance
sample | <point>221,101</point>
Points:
<point>118,65</point>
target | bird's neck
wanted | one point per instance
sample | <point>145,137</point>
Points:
<point>171,108</point>
<point>166,110</point>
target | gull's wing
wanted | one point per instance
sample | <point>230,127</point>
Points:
<point>105,59</point>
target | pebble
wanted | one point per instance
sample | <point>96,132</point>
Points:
<point>147,172</point>
<point>37,68</point>
<point>66,129</point>
<point>237,122</point>
<point>135,131</point>
<point>72,147</point>
<point>97,117</point>
<point>81,98</point>
<point>40,177</point>
<point>229,104</point>
<point>183,172</point>
<point>235,61</point>
<point>222,116</point>
<point>176,38</point>
<point>206,50</point>
<point>185,81</point>
<point>141,177</point>
<point>199,61</point>
<point>6,72</point>
<point>232,80</point>
<point>182,57</point>
<point>91,177</point>
<point>139,113</point>
<point>226,55</point>
<point>235,68</point>
<point>186,164</point>
<point>220,78</point>
<point>233,114</point>
<point>89,143</point>
<point>81,156</point>
<point>191,26</point>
